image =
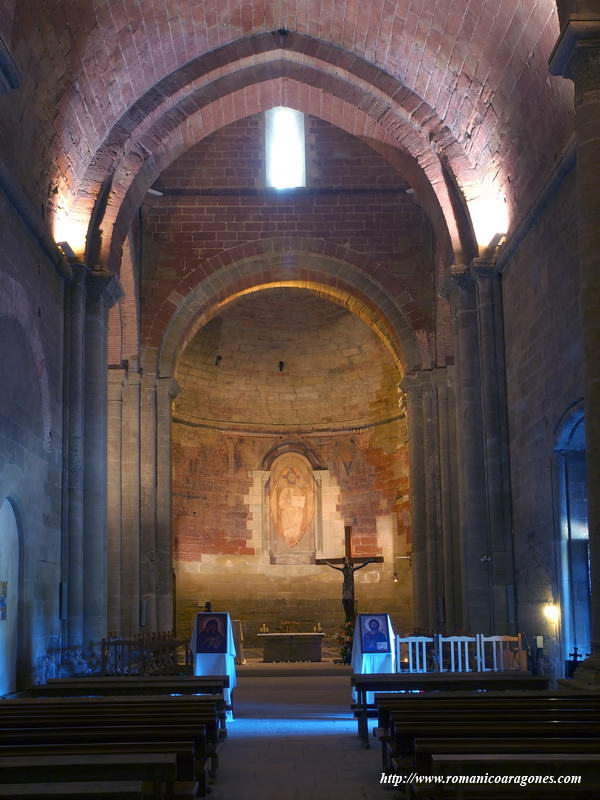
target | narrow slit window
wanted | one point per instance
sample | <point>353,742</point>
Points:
<point>285,149</point>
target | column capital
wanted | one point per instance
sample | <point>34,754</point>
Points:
<point>459,277</point>
<point>418,379</point>
<point>104,286</point>
<point>576,54</point>
<point>169,385</point>
<point>79,272</point>
<point>412,382</point>
<point>484,267</point>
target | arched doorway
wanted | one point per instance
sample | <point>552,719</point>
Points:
<point>574,559</point>
<point>9,597</point>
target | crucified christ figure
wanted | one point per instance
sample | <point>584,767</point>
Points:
<point>348,568</point>
<point>348,571</point>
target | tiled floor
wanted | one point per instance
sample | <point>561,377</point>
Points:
<point>293,738</point>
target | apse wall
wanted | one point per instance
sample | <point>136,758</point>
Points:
<point>544,363</point>
<point>285,380</point>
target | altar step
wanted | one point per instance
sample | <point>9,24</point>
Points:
<point>255,668</point>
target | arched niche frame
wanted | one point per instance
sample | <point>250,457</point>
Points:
<point>292,529</point>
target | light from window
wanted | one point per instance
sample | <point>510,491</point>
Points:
<point>286,163</point>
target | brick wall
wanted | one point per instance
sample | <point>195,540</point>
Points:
<point>186,227</point>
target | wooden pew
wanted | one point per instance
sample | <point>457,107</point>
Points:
<point>448,705</point>
<point>183,752</point>
<point>159,768</point>
<point>101,790</point>
<point>425,749</point>
<point>110,736</point>
<point>407,733</point>
<point>155,704</point>
<point>121,719</point>
<point>586,766</point>
<point>417,731</point>
<point>130,684</point>
<point>394,682</point>
<point>144,722</point>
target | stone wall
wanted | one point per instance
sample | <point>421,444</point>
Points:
<point>31,419</point>
<point>218,525</point>
<point>544,358</point>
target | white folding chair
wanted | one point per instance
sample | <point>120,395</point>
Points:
<point>413,653</point>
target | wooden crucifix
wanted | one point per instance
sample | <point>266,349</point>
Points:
<point>348,568</point>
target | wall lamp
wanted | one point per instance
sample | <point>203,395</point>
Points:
<point>551,612</point>
<point>67,251</point>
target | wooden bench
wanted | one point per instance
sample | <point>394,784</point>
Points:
<point>395,682</point>
<point>450,706</point>
<point>425,749</point>
<point>546,765</point>
<point>159,705</point>
<point>159,768</point>
<point>108,736</point>
<point>107,721</point>
<point>101,790</point>
<point>130,684</point>
<point>420,733</point>
<point>183,752</point>
<point>406,733</point>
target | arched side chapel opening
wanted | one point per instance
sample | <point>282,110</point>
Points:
<point>573,551</point>
<point>9,597</point>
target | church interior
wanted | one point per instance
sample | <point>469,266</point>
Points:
<point>299,320</point>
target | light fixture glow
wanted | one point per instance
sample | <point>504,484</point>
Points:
<point>67,229</point>
<point>285,148</point>
<point>489,215</point>
<point>552,612</point>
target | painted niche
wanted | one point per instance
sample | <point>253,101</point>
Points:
<point>293,510</point>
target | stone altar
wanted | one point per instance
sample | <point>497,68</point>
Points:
<point>291,646</point>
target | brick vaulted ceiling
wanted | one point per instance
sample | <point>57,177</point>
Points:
<point>113,90</point>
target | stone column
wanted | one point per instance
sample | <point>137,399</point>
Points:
<point>495,442</point>
<point>577,56</point>
<point>474,540</point>
<point>156,573</point>
<point>433,523</point>
<point>103,290</point>
<point>167,390</point>
<point>74,364</point>
<point>448,507</point>
<point>432,465</point>
<point>411,385</point>
<point>130,507</point>
<point>116,381</point>
<point>148,620</point>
